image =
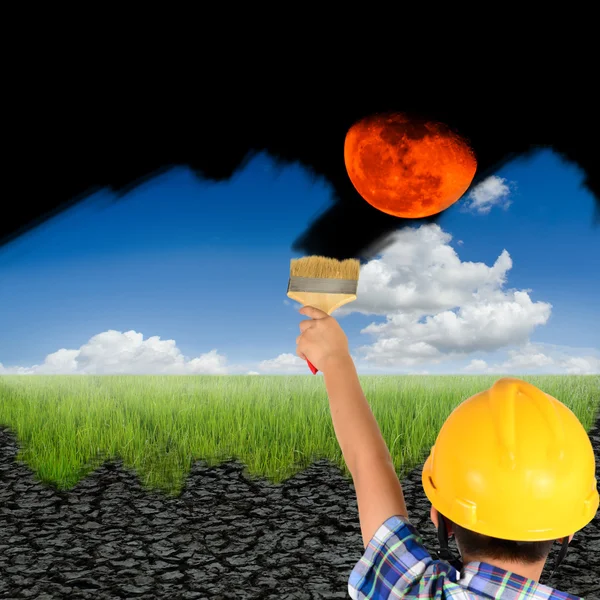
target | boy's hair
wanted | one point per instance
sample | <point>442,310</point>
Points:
<point>479,547</point>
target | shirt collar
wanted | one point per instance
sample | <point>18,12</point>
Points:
<point>480,575</point>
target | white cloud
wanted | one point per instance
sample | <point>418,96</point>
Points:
<point>528,357</point>
<point>493,191</point>
<point>476,366</point>
<point>113,352</point>
<point>541,358</point>
<point>437,307</point>
<point>419,272</point>
<point>284,363</point>
<point>582,365</point>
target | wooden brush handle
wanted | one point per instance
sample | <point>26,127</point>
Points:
<point>312,367</point>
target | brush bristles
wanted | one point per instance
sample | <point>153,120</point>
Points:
<point>325,268</point>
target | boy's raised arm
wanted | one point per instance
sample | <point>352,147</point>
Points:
<point>378,490</point>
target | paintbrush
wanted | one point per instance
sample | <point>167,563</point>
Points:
<point>325,283</point>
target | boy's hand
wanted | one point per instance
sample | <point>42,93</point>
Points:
<point>321,339</point>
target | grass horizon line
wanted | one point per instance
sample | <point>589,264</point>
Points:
<point>159,425</point>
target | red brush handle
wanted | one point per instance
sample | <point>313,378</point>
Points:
<point>312,367</point>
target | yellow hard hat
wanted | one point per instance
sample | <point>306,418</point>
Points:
<point>514,463</point>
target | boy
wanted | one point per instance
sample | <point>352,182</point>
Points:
<point>510,463</point>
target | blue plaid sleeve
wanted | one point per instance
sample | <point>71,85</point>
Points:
<point>395,560</point>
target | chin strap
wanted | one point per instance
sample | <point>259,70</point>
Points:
<point>444,553</point>
<point>561,555</point>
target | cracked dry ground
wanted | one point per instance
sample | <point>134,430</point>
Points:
<point>226,536</point>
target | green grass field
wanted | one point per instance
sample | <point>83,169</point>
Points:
<point>276,425</point>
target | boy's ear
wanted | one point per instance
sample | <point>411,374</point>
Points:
<point>435,515</point>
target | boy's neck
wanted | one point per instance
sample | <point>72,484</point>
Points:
<point>533,571</point>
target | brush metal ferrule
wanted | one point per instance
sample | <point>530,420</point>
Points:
<point>322,286</point>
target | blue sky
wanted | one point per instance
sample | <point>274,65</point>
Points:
<point>169,262</point>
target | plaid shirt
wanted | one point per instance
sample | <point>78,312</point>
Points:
<point>396,565</point>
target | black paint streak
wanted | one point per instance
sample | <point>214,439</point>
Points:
<point>75,141</point>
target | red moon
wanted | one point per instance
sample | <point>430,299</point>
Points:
<point>407,167</point>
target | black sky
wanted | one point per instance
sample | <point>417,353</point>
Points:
<point>72,139</point>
